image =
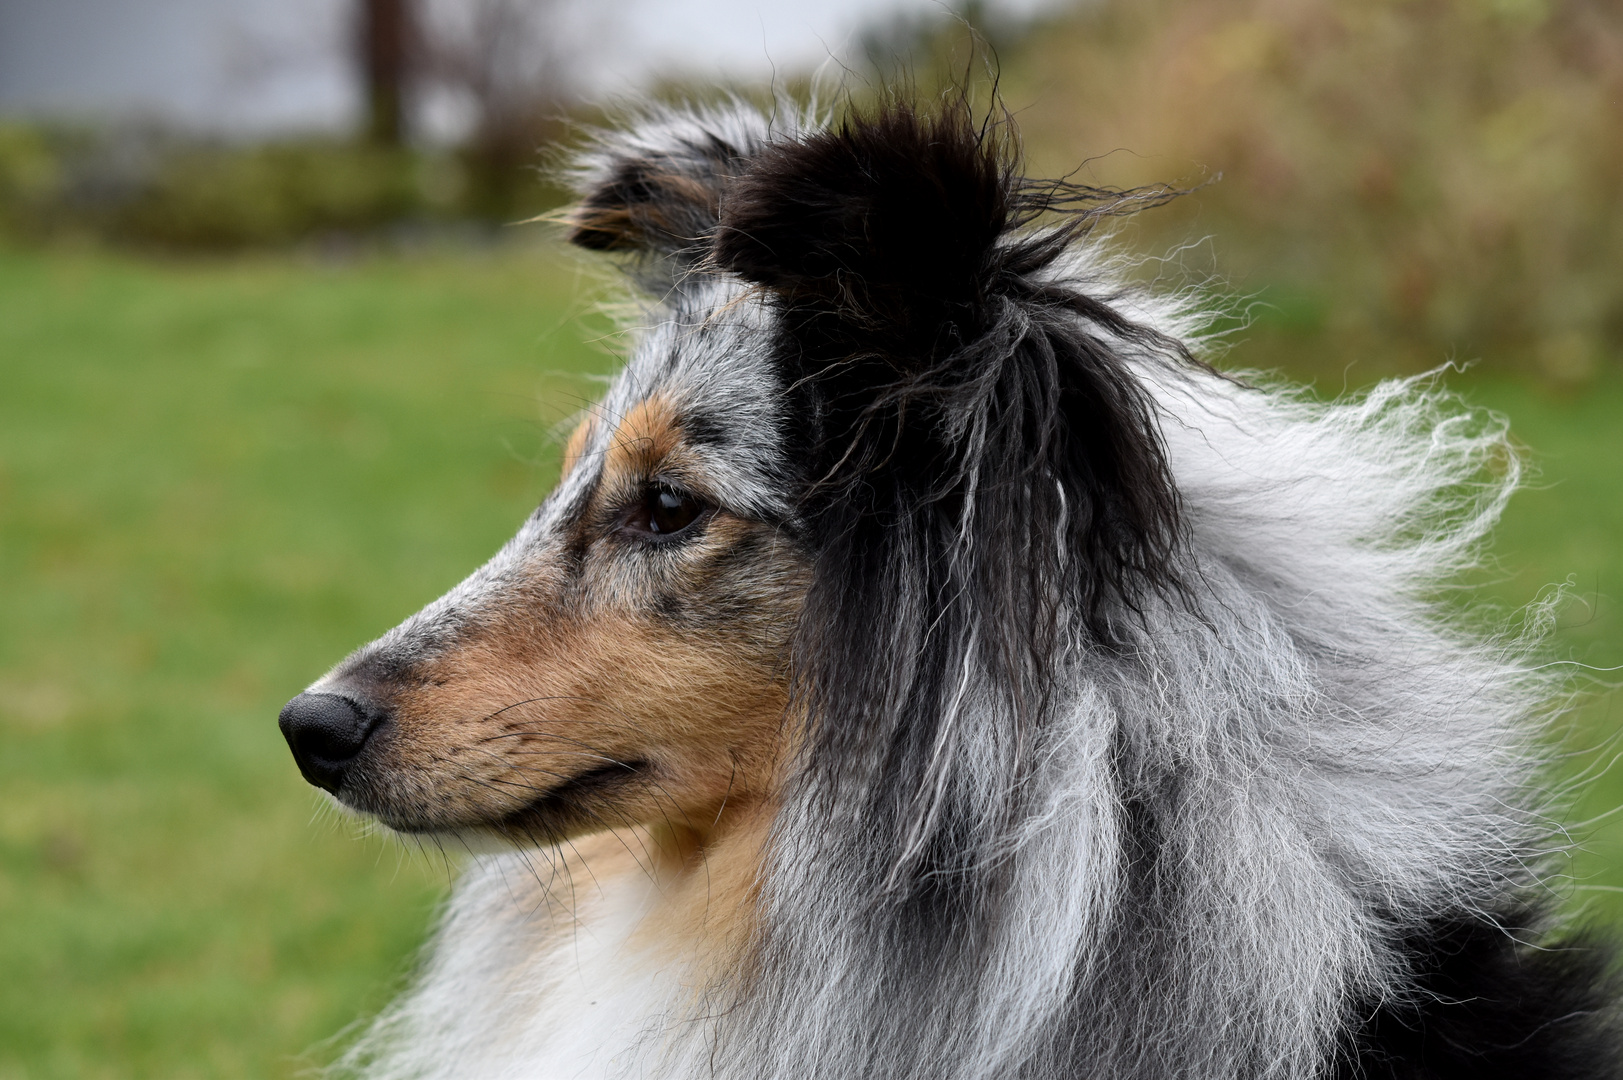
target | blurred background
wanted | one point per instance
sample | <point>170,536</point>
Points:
<point>278,364</point>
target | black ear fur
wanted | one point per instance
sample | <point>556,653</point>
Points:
<point>985,480</point>
<point>898,250</point>
<point>887,222</point>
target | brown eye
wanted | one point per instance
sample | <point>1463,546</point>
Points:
<point>664,513</point>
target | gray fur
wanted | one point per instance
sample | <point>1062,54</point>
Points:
<point>1326,753</point>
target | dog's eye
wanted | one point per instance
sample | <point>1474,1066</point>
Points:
<point>664,513</point>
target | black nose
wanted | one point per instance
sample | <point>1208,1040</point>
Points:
<point>326,733</point>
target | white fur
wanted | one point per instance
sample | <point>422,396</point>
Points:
<point>516,989</point>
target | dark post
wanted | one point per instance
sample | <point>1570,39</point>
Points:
<point>385,45</point>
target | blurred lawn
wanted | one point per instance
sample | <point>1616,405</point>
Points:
<point>216,478</point>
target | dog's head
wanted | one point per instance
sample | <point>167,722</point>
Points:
<point>880,458</point>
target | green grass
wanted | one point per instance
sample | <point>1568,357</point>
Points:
<point>1566,526</point>
<point>217,478</point>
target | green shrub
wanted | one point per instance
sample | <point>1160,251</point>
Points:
<point>156,189</point>
<point>31,178</point>
<point>228,197</point>
<point>1446,176</point>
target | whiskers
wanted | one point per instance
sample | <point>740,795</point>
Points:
<point>532,761</point>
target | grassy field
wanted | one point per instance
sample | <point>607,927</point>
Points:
<point>216,478</point>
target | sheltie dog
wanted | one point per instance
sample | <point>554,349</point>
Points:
<point>928,666</point>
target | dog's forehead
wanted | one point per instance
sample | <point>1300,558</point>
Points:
<point>710,363</point>
<point>709,366</point>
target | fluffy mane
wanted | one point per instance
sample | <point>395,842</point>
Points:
<point>1134,735</point>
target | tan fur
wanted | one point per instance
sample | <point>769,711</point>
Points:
<point>560,675</point>
<point>576,446</point>
<point>526,706</point>
<point>648,437</point>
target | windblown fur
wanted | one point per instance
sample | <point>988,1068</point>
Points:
<point>1122,729</point>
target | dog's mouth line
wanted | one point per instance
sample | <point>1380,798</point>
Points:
<point>568,802</point>
<point>569,799</point>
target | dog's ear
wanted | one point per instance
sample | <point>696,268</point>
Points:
<point>901,251</point>
<point>985,483</point>
<point>885,224</point>
<point>653,191</point>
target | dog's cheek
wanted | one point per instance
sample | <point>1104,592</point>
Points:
<point>705,709</point>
